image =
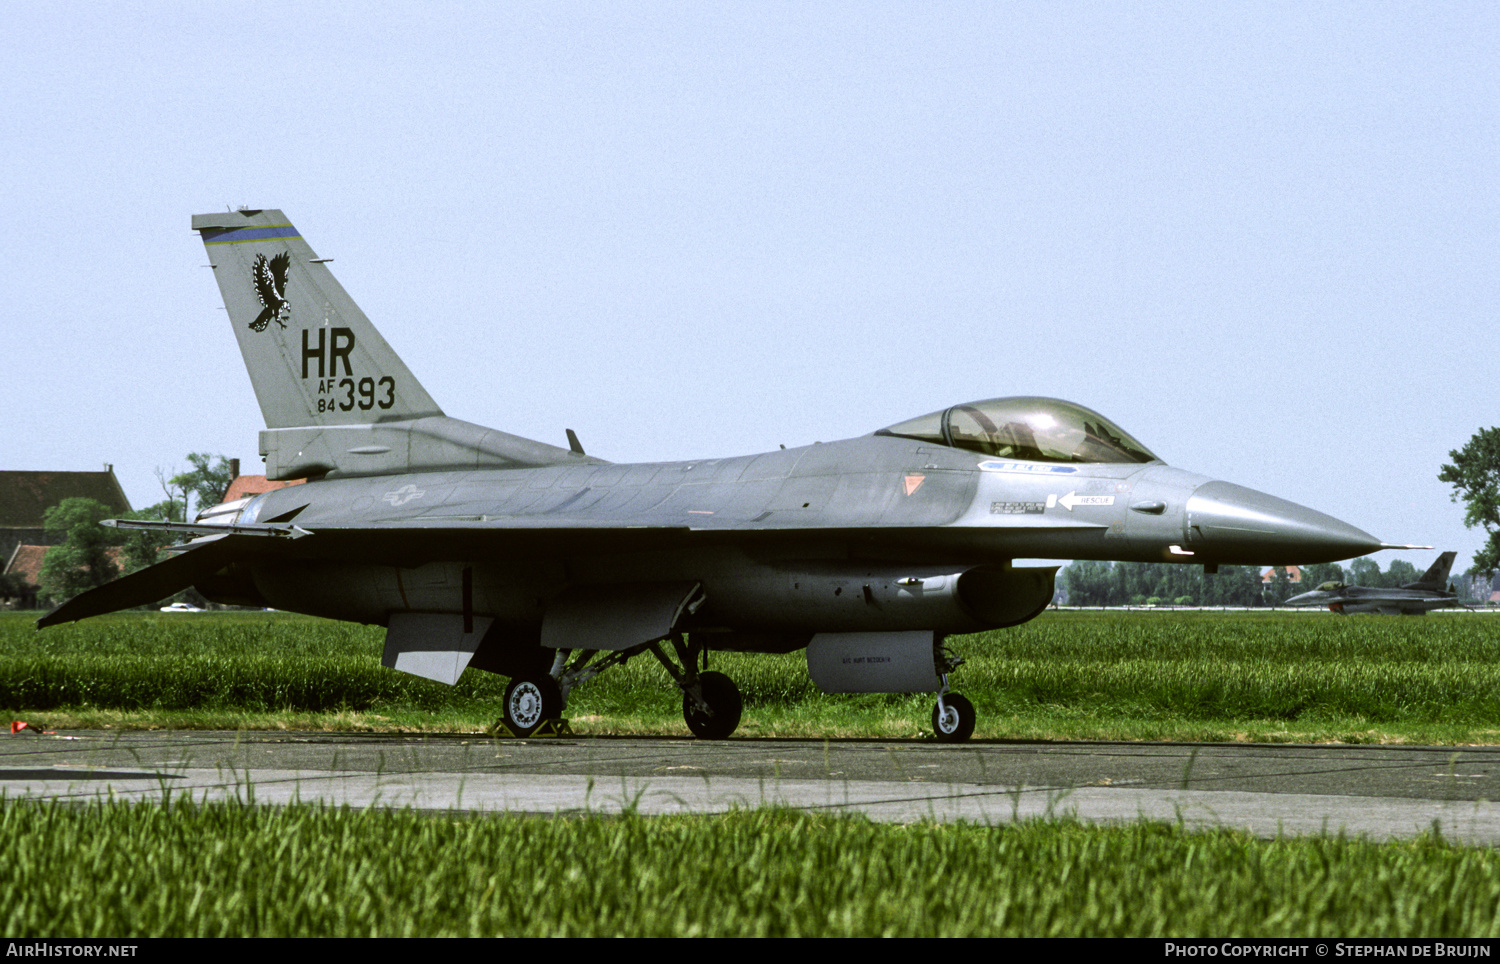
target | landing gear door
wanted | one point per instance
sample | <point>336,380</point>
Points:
<point>432,645</point>
<point>617,617</point>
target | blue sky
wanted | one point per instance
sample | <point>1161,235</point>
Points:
<point>1260,237</point>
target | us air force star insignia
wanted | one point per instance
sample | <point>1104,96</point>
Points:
<point>402,495</point>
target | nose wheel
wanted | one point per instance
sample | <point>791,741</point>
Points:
<point>953,718</point>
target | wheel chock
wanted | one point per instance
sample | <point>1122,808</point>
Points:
<point>548,728</point>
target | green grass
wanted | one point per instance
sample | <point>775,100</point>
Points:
<point>182,870</point>
<point>224,870</point>
<point>1067,675</point>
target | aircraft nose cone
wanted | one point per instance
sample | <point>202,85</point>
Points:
<point>1236,525</point>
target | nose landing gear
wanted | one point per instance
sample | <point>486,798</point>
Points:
<point>953,718</point>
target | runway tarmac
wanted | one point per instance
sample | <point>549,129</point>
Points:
<point>1380,792</point>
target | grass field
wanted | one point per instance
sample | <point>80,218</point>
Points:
<point>232,870</point>
<point>225,870</point>
<point>1067,675</point>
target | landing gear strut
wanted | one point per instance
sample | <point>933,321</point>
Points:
<point>953,717</point>
<point>711,703</point>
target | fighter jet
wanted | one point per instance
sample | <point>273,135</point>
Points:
<point>478,549</point>
<point>1412,599</point>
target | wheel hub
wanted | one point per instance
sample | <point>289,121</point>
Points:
<point>526,704</point>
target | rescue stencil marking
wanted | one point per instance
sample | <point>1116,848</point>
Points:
<point>914,482</point>
<point>1071,499</point>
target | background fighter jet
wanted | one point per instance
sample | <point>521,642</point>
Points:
<point>1412,599</point>
<point>480,549</point>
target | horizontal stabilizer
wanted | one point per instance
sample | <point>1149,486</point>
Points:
<point>149,585</point>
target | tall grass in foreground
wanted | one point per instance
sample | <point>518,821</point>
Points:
<point>1278,676</point>
<point>230,870</point>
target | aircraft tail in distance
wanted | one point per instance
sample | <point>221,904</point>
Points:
<point>1436,576</point>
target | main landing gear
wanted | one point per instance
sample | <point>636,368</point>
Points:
<point>715,712</point>
<point>531,701</point>
<point>711,703</point>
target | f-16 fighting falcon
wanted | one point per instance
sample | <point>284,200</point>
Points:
<point>479,549</point>
<point>1412,599</point>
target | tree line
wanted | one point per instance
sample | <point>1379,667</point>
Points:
<point>1089,583</point>
<point>1474,474</point>
<point>86,554</point>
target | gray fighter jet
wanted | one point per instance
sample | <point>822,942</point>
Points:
<point>479,549</point>
<point>1412,599</point>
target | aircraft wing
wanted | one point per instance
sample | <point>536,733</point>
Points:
<point>415,542</point>
<point>152,583</point>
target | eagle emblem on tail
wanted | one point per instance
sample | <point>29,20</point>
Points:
<point>270,284</point>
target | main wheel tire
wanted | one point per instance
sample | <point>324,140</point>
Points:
<point>956,725</point>
<point>530,701</point>
<point>723,698</point>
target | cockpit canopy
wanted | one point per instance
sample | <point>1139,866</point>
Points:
<point>1030,429</point>
<point>1331,587</point>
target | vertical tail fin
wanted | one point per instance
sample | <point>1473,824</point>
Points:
<point>313,356</point>
<point>336,398</point>
<point>1436,576</point>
